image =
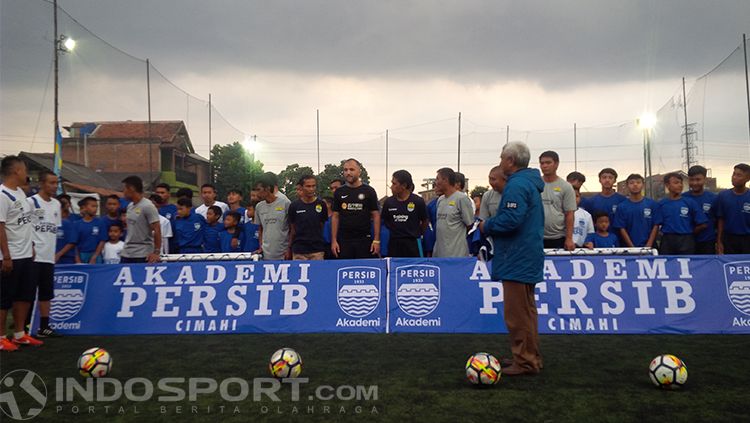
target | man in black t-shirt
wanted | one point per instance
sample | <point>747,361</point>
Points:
<point>405,216</point>
<point>307,215</point>
<point>355,211</point>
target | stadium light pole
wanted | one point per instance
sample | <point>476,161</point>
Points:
<point>647,122</point>
<point>62,44</point>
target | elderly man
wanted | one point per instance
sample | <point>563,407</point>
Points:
<point>517,231</point>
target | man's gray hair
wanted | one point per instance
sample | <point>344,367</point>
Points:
<point>518,152</point>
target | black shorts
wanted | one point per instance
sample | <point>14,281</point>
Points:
<point>705,247</point>
<point>736,244</point>
<point>19,284</point>
<point>133,259</point>
<point>355,248</point>
<point>403,247</point>
<point>44,274</point>
<point>554,243</point>
<point>677,244</point>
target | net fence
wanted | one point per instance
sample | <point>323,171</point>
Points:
<point>100,82</point>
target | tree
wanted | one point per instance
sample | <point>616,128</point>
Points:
<point>478,191</point>
<point>234,167</point>
<point>289,177</point>
<point>331,172</point>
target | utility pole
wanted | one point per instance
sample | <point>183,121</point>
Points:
<point>148,130</point>
<point>459,143</point>
<point>317,125</point>
<point>210,162</point>
<point>386,160</point>
<point>575,146</point>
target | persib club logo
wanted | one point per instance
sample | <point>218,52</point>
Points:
<point>70,294</point>
<point>358,292</point>
<point>737,277</point>
<point>418,289</point>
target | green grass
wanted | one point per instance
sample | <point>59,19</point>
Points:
<point>587,378</point>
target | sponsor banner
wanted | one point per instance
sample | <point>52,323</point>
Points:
<point>220,297</point>
<point>594,294</point>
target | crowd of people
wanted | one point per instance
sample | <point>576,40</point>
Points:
<point>39,231</point>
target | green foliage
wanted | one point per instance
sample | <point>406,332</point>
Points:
<point>289,177</point>
<point>478,191</point>
<point>234,167</point>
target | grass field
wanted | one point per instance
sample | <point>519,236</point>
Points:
<point>587,378</point>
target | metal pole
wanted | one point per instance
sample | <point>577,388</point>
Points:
<point>386,160</point>
<point>645,163</point>
<point>317,126</point>
<point>459,143</point>
<point>650,169</point>
<point>747,85</point>
<point>210,162</point>
<point>575,147</point>
<point>148,130</point>
<point>507,133</point>
<point>684,109</point>
<point>57,157</point>
<point>86,150</point>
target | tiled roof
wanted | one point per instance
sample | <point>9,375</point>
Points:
<point>165,131</point>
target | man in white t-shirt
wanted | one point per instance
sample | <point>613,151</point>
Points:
<point>208,194</point>
<point>46,218</point>
<point>16,248</point>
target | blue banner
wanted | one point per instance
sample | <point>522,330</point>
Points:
<point>594,294</point>
<point>220,297</point>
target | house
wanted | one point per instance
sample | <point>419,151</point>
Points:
<point>75,178</point>
<point>118,149</point>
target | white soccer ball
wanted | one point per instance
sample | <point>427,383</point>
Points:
<point>668,371</point>
<point>483,369</point>
<point>285,363</point>
<point>94,362</point>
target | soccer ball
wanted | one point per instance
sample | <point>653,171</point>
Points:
<point>483,369</point>
<point>95,362</point>
<point>668,371</point>
<point>285,363</point>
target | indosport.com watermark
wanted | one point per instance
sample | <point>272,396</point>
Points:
<point>24,395</point>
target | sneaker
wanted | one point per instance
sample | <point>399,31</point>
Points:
<point>6,345</point>
<point>27,340</point>
<point>47,333</point>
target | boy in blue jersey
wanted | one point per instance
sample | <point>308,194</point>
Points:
<point>231,231</point>
<point>602,238</point>
<point>234,201</point>
<point>211,241</point>
<point>637,219</point>
<point>608,199</point>
<point>67,236</point>
<point>681,219</point>
<point>250,231</point>
<point>91,233</point>
<point>113,215</point>
<point>189,227</point>
<point>705,241</point>
<point>733,213</point>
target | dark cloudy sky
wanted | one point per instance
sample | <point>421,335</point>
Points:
<point>367,65</point>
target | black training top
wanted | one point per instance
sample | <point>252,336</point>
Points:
<point>404,218</point>
<point>355,207</point>
<point>308,220</point>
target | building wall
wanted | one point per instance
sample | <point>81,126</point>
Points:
<point>114,157</point>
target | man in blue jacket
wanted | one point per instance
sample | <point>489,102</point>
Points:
<point>517,231</point>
